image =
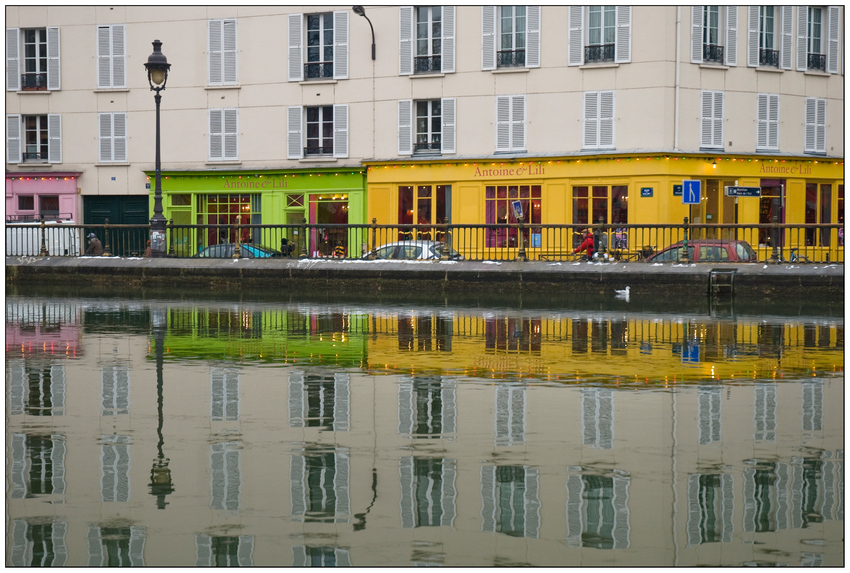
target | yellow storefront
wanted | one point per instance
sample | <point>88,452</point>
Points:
<point>612,189</point>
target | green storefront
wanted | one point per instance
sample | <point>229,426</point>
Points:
<point>268,197</point>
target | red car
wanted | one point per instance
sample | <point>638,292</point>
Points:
<point>707,251</point>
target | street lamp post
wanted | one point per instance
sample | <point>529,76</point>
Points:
<point>361,12</point>
<point>161,484</point>
<point>157,67</point>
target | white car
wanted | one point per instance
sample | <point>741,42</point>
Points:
<point>414,250</point>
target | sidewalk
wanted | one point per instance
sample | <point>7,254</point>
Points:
<point>744,280</point>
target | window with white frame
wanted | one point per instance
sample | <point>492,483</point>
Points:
<point>710,417</point>
<point>115,390</point>
<point>318,46</point>
<point>510,37</point>
<point>225,476</point>
<point>509,415</point>
<point>427,408</point>
<point>510,123</point>
<point>428,491</point>
<point>815,126</point>
<point>710,508</point>
<point>714,35</point>
<point>818,38</point>
<point>766,499</point>
<point>111,56</point>
<point>599,34</point>
<point>37,390</point>
<point>221,52</point>
<point>34,138</point>
<point>119,545</point>
<point>224,550</point>
<point>767,131</point>
<point>764,412</point>
<point>319,482</point>
<point>597,509</point>
<point>770,36</point>
<point>32,59</point>
<point>511,501</point>
<point>598,120</point>
<point>320,556</point>
<point>38,544</point>
<point>115,468</point>
<point>112,137</point>
<point>224,134</point>
<point>224,394</point>
<point>426,39</point>
<point>38,465</point>
<point>711,119</point>
<point>426,126</point>
<point>319,401</point>
<point>597,418</point>
<point>317,131</point>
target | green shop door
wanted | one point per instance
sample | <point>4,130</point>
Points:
<point>120,210</point>
<point>293,235</point>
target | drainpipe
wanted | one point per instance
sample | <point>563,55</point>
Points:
<point>676,104</point>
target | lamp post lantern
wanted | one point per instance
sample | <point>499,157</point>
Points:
<point>361,12</point>
<point>157,67</point>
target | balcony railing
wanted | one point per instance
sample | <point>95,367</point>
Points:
<point>33,81</point>
<point>479,242</point>
<point>318,70</point>
<point>510,58</point>
<point>599,53</point>
<point>34,157</point>
<point>768,58</point>
<point>427,64</point>
<point>712,53</point>
<point>433,146</point>
<point>318,151</point>
<point>816,62</point>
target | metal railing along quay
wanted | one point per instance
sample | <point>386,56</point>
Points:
<point>796,243</point>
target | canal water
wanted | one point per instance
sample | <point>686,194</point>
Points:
<point>186,429</point>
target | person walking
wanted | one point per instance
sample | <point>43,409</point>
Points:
<point>586,243</point>
<point>95,248</point>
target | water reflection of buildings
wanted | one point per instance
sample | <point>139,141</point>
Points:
<point>421,450</point>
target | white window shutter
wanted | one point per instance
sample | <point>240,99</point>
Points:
<point>786,46</point>
<point>104,60</point>
<point>53,68</point>
<point>810,124</point>
<point>13,139</point>
<point>54,138</point>
<point>518,123</point>
<point>696,34</point>
<point>105,136</point>
<point>623,37</point>
<point>762,121</point>
<point>802,36</point>
<point>405,127</point>
<point>447,59</point>
<point>447,142</point>
<point>591,120</point>
<point>228,35</point>
<point>341,45</point>
<point>606,119</point>
<point>231,134</point>
<point>216,134</point>
<point>341,130</point>
<point>820,126</point>
<point>488,37</point>
<point>215,51</point>
<point>13,63</point>
<point>118,57</point>
<point>717,135</point>
<point>532,34</point>
<point>731,51</point>
<point>503,123</point>
<point>576,40</point>
<point>832,48</point>
<point>706,125</point>
<point>752,36</point>
<point>773,121</point>
<point>296,41</point>
<point>294,118</point>
<point>405,40</point>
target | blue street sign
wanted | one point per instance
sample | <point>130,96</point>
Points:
<point>691,188</point>
<point>743,191</point>
<point>646,191</point>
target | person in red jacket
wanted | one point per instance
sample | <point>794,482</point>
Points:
<point>586,243</point>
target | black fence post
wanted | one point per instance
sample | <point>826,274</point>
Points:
<point>304,239</point>
<point>520,256</point>
<point>43,251</point>
<point>236,247</point>
<point>106,250</point>
<point>373,253</point>
<point>774,234</point>
<point>685,258</point>
<point>171,252</point>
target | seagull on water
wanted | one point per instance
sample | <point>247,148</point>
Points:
<point>622,294</point>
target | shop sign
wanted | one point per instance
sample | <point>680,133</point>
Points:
<point>258,183</point>
<point>519,171</point>
<point>677,190</point>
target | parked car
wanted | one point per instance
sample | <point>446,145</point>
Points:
<point>414,250</point>
<point>707,251</point>
<point>248,251</point>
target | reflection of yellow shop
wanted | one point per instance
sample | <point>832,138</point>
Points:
<point>610,189</point>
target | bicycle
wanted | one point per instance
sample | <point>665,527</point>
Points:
<point>795,258</point>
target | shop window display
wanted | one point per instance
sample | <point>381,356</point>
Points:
<point>499,214</point>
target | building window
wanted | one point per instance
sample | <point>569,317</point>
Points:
<point>426,39</point>
<point>37,390</point>
<point>224,395</point>
<point>34,138</point>
<point>224,135</point>
<point>429,33</point>
<point>771,206</point>
<point>600,34</point>
<point>818,33</point>
<point>32,59</point>
<point>815,126</point>
<point>111,55</point>
<point>225,476</point>
<point>317,132</point>
<point>112,133</point>
<point>38,465</point>
<point>815,58</point>
<point>499,214</point>
<point>427,491</point>
<point>318,46</point>
<point>26,203</point>
<point>710,416</point>
<point>767,131</point>
<point>38,544</point>
<point>818,211</point>
<point>714,31</point>
<point>768,55</point>
<point>222,52</point>
<point>770,36</point>
<point>319,480</point>
<point>319,401</point>
<point>509,415</point>
<point>510,37</point>
<point>431,205</point>
<point>597,418</point>
<point>600,204</point>
<point>320,556</point>
<point>115,468</point>
<point>426,406</point>
<point>115,390</point>
<point>320,131</point>
<point>426,126</point>
<point>712,49</point>
<point>228,211</point>
<point>710,510</point>
<point>511,503</point>
<point>510,123</point>
<point>711,120</point>
<point>766,498</point>
<point>224,550</point>
<point>598,509</point>
<point>598,120</point>
<point>116,546</point>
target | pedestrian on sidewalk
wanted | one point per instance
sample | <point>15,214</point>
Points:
<point>95,248</point>
<point>586,243</point>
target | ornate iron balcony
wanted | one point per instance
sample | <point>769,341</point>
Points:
<point>712,53</point>
<point>33,81</point>
<point>599,53</point>
<point>432,146</point>
<point>768,57</point>
<point>510,58</point>
<point>35,156</point>
<point>322,150</point>
<point>427,64</point>
<point>317,70</point>
<point>816,62</point>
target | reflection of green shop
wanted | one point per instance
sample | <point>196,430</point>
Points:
<point>273,197</point>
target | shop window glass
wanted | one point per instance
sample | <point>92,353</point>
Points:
<point>330,210</point>
<point>840,213</point>
<point>181,199</point>
<point>230,210</point>
<point>295,200</point>
<point>26,203</point>
<point>49,205</point>
<point>770,205</point>
<point>429,206</point>
<point>498,199</point>
<point>601,204</point>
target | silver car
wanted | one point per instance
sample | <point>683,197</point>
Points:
<point>415,250</point>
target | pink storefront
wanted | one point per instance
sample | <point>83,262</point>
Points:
<point>29,196</point>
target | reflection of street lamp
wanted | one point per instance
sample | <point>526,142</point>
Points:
<point>157,67</point>
<point>160,474</point>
